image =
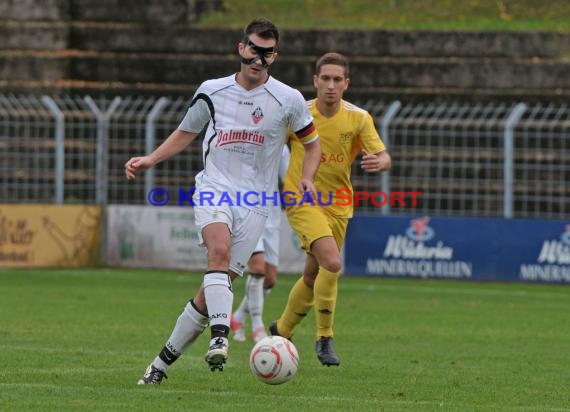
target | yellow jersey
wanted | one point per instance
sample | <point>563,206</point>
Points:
<point>342,137</point>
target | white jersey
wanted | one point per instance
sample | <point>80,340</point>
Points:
<point>274,217</point>
<point>284,162</point>
<point>245,132</point>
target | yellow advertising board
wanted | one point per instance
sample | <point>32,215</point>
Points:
<point>49,235</point>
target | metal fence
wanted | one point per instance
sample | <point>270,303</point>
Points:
<point>467,159</point>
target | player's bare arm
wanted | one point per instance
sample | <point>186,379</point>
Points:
<point>176,142</point>
<point>311,163</point>
<point>376,162</point>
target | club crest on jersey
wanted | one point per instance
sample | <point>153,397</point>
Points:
<point>345,138</point>
<point>257,115</point>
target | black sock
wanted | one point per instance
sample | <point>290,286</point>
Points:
<point>220,331</point>
<point>167,356</point>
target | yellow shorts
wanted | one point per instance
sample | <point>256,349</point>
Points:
<point>313,222</point>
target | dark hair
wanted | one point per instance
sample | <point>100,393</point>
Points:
<point>332,58</point>
<point>263,28</point>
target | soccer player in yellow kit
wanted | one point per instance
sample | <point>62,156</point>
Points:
<point>345,130</point>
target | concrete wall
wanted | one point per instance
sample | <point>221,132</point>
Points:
<point>127,46</point>
<point>139,11</point>
<point>46,10</point>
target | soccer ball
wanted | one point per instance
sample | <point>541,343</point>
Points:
<point>274,360</point>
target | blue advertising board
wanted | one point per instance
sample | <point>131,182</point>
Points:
<point>458,248</point>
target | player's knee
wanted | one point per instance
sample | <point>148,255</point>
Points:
<point>219,254</point>
<point>331,263</point>
<point>258,269</point>
<point>257,263</point>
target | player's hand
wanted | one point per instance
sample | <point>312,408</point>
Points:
<point>370,162</point>
<point>136,164</point>
<point>307,186</point>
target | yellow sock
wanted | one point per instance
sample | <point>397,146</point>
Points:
<point>326,290</point>
<point>299,304</point>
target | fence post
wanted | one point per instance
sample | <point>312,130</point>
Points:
<point>150,138</point>
<point>59,146</point>
<point>102,178</point>
<point>103,120</point>
<point>385,135</point>
<point>508,165</point>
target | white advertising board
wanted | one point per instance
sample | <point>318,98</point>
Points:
<point>167,237</point>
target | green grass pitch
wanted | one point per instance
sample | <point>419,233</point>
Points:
<point>80,339</point>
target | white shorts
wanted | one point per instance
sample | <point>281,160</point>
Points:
<point>269,241</point>
<point>245,225</point>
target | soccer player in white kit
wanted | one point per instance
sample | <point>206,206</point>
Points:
<point>245,117</point>
<point>262,270</point>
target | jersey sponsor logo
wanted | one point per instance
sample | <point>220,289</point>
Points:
<point>240,136</point>
<point>257,115</point>
<point>332,157</point>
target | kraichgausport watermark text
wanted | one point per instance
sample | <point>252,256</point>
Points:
<point>340,197</point>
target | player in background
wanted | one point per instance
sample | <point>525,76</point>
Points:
<point>345,130</point>
<point>262,271</point>
<point>246,117</point>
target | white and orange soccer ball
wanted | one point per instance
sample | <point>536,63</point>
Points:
<point>274,360</point>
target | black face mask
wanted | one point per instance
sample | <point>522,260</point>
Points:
<point>261,53</point>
